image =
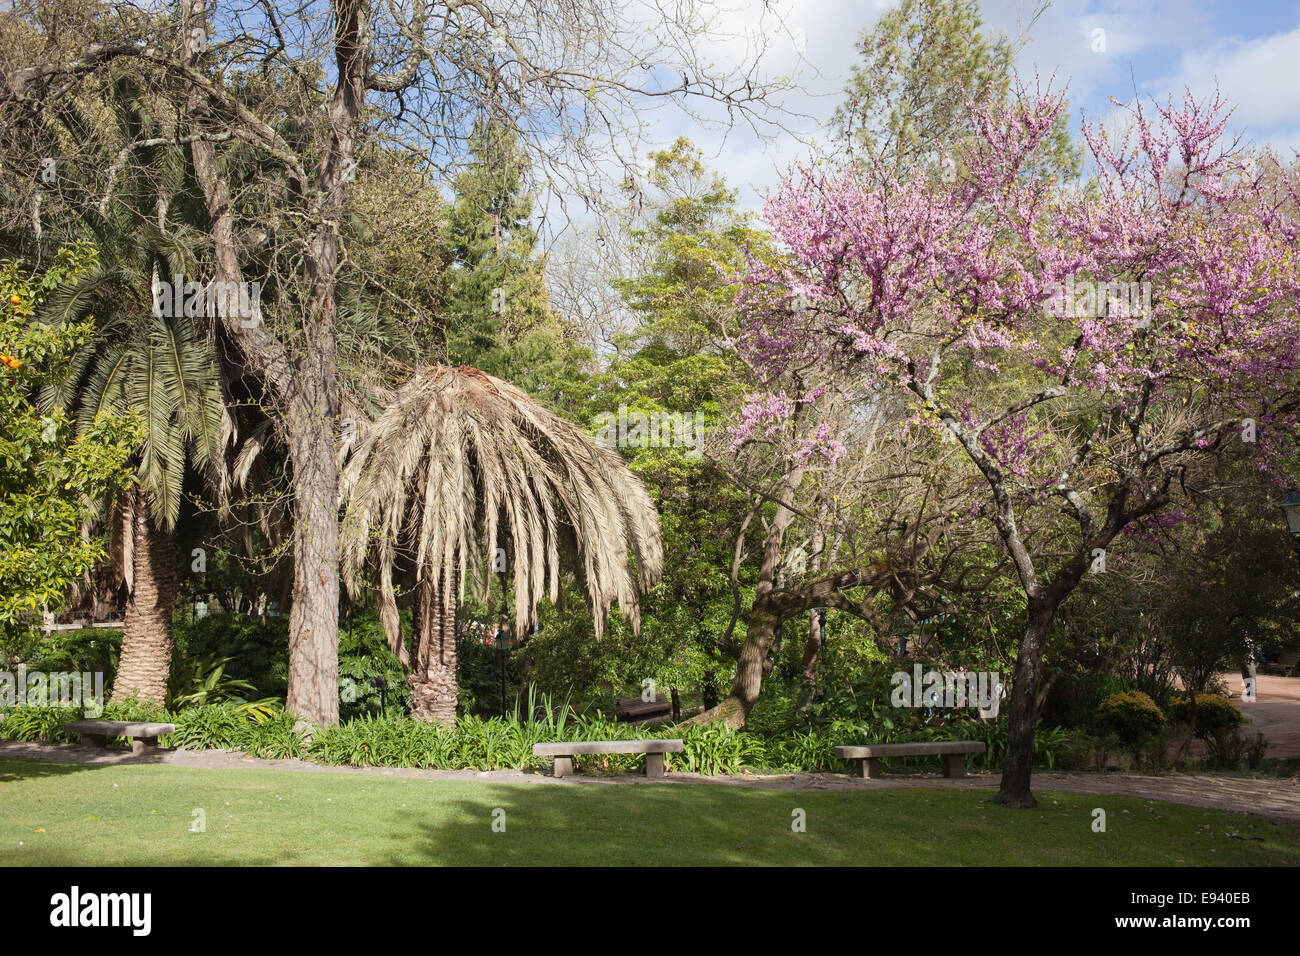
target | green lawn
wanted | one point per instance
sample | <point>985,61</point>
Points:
<point>61,814</point>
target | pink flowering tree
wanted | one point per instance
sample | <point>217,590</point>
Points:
<point>1085,348</point>
<point>845,514</point>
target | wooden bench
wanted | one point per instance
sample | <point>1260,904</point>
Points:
<point>1285,665</point>
<point>953,753</point>
<point>634,709</point>
<point>144,737</point>
<point>654,751</point>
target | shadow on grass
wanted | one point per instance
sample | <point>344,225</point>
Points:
<point>720,826</point>
<point>67,760</point>
<point>663,826</point>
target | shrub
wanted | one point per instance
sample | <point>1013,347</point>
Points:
<point>255,651</point>
<point>201,681</point>
<point>716,748</point>
<point>133,710</point>
<point>88,649</point>
<point>1076,750</point>
<point>1255,751</point>
<point>1226,749</point>
<point>1215,715</point>
<point>39,723</point>
<point>1132,716</point>
<point>371,679</point>
<point>213,726</point>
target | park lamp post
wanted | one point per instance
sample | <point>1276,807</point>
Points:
<point>1291,511</point>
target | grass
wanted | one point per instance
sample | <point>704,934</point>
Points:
<point>67,814</point>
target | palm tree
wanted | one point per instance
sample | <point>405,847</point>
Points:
<point>159,367</point>
<point>156,367</point>
<point>460,461</point>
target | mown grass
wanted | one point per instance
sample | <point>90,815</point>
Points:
<point>60,814</point>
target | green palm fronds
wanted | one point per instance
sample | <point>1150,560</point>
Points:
<point>154,367</point>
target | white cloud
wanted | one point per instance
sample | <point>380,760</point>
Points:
<point>1260,77</point>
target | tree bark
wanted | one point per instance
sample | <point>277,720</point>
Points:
<point>762,623</point>
<point>146,657</point>
<point>1023,716</point>
<point>433,682</point>
<point>303,381</point>
<point>313,688</point>
<point>811,652</point>
<point>760,638</point>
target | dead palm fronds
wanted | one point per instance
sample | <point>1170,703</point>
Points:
<point>461,462</point>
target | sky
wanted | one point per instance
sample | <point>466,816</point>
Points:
<point>1250,48</point>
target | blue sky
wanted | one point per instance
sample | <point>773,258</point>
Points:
<point>1251,47</point>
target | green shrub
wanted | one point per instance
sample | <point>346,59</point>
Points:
<point>255,651</point>
<point>1215,715</point>
<point>206,680</point>
<point>716,748</point>
<point>134,710</point>
<point>39,723</point>
<point>274,738</point>
<point>87,649</point>
<point>1132,716</point>
<point>1255,751</point>
<point>213,726</point>
<point>1076,750</point>
<point>364,658</point>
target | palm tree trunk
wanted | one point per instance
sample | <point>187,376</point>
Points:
<point>146,656</point>
<point>434,687</point>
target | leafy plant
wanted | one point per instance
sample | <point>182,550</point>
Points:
<point>1130,715</point>
<point>1215,715</point>
<point>205,681</point>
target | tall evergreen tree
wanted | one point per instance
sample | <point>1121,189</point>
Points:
<point>906,99</point>
<point>499,316</point>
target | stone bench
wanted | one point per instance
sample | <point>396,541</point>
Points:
<point>144,737</point>
<point>953,753</point>
<point>654,751</point>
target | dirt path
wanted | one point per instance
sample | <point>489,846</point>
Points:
<point>1279,798</point>
<point>1275,712</point>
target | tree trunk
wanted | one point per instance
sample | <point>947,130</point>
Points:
<point>1023,717</point>
<point>303,379</point>
<point>146,658</point>
<point>434,687</point>
<point>313,692</point>
<point>811,651</point>
<point>1186,748</point>
<point>763,625</point>
<point>760,638</point>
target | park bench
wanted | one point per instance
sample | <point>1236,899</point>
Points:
<point>144,736</point>
<point>654,751</point>
<point>634,709</point>
<point>1286,665</point>
<point>953,753</point>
